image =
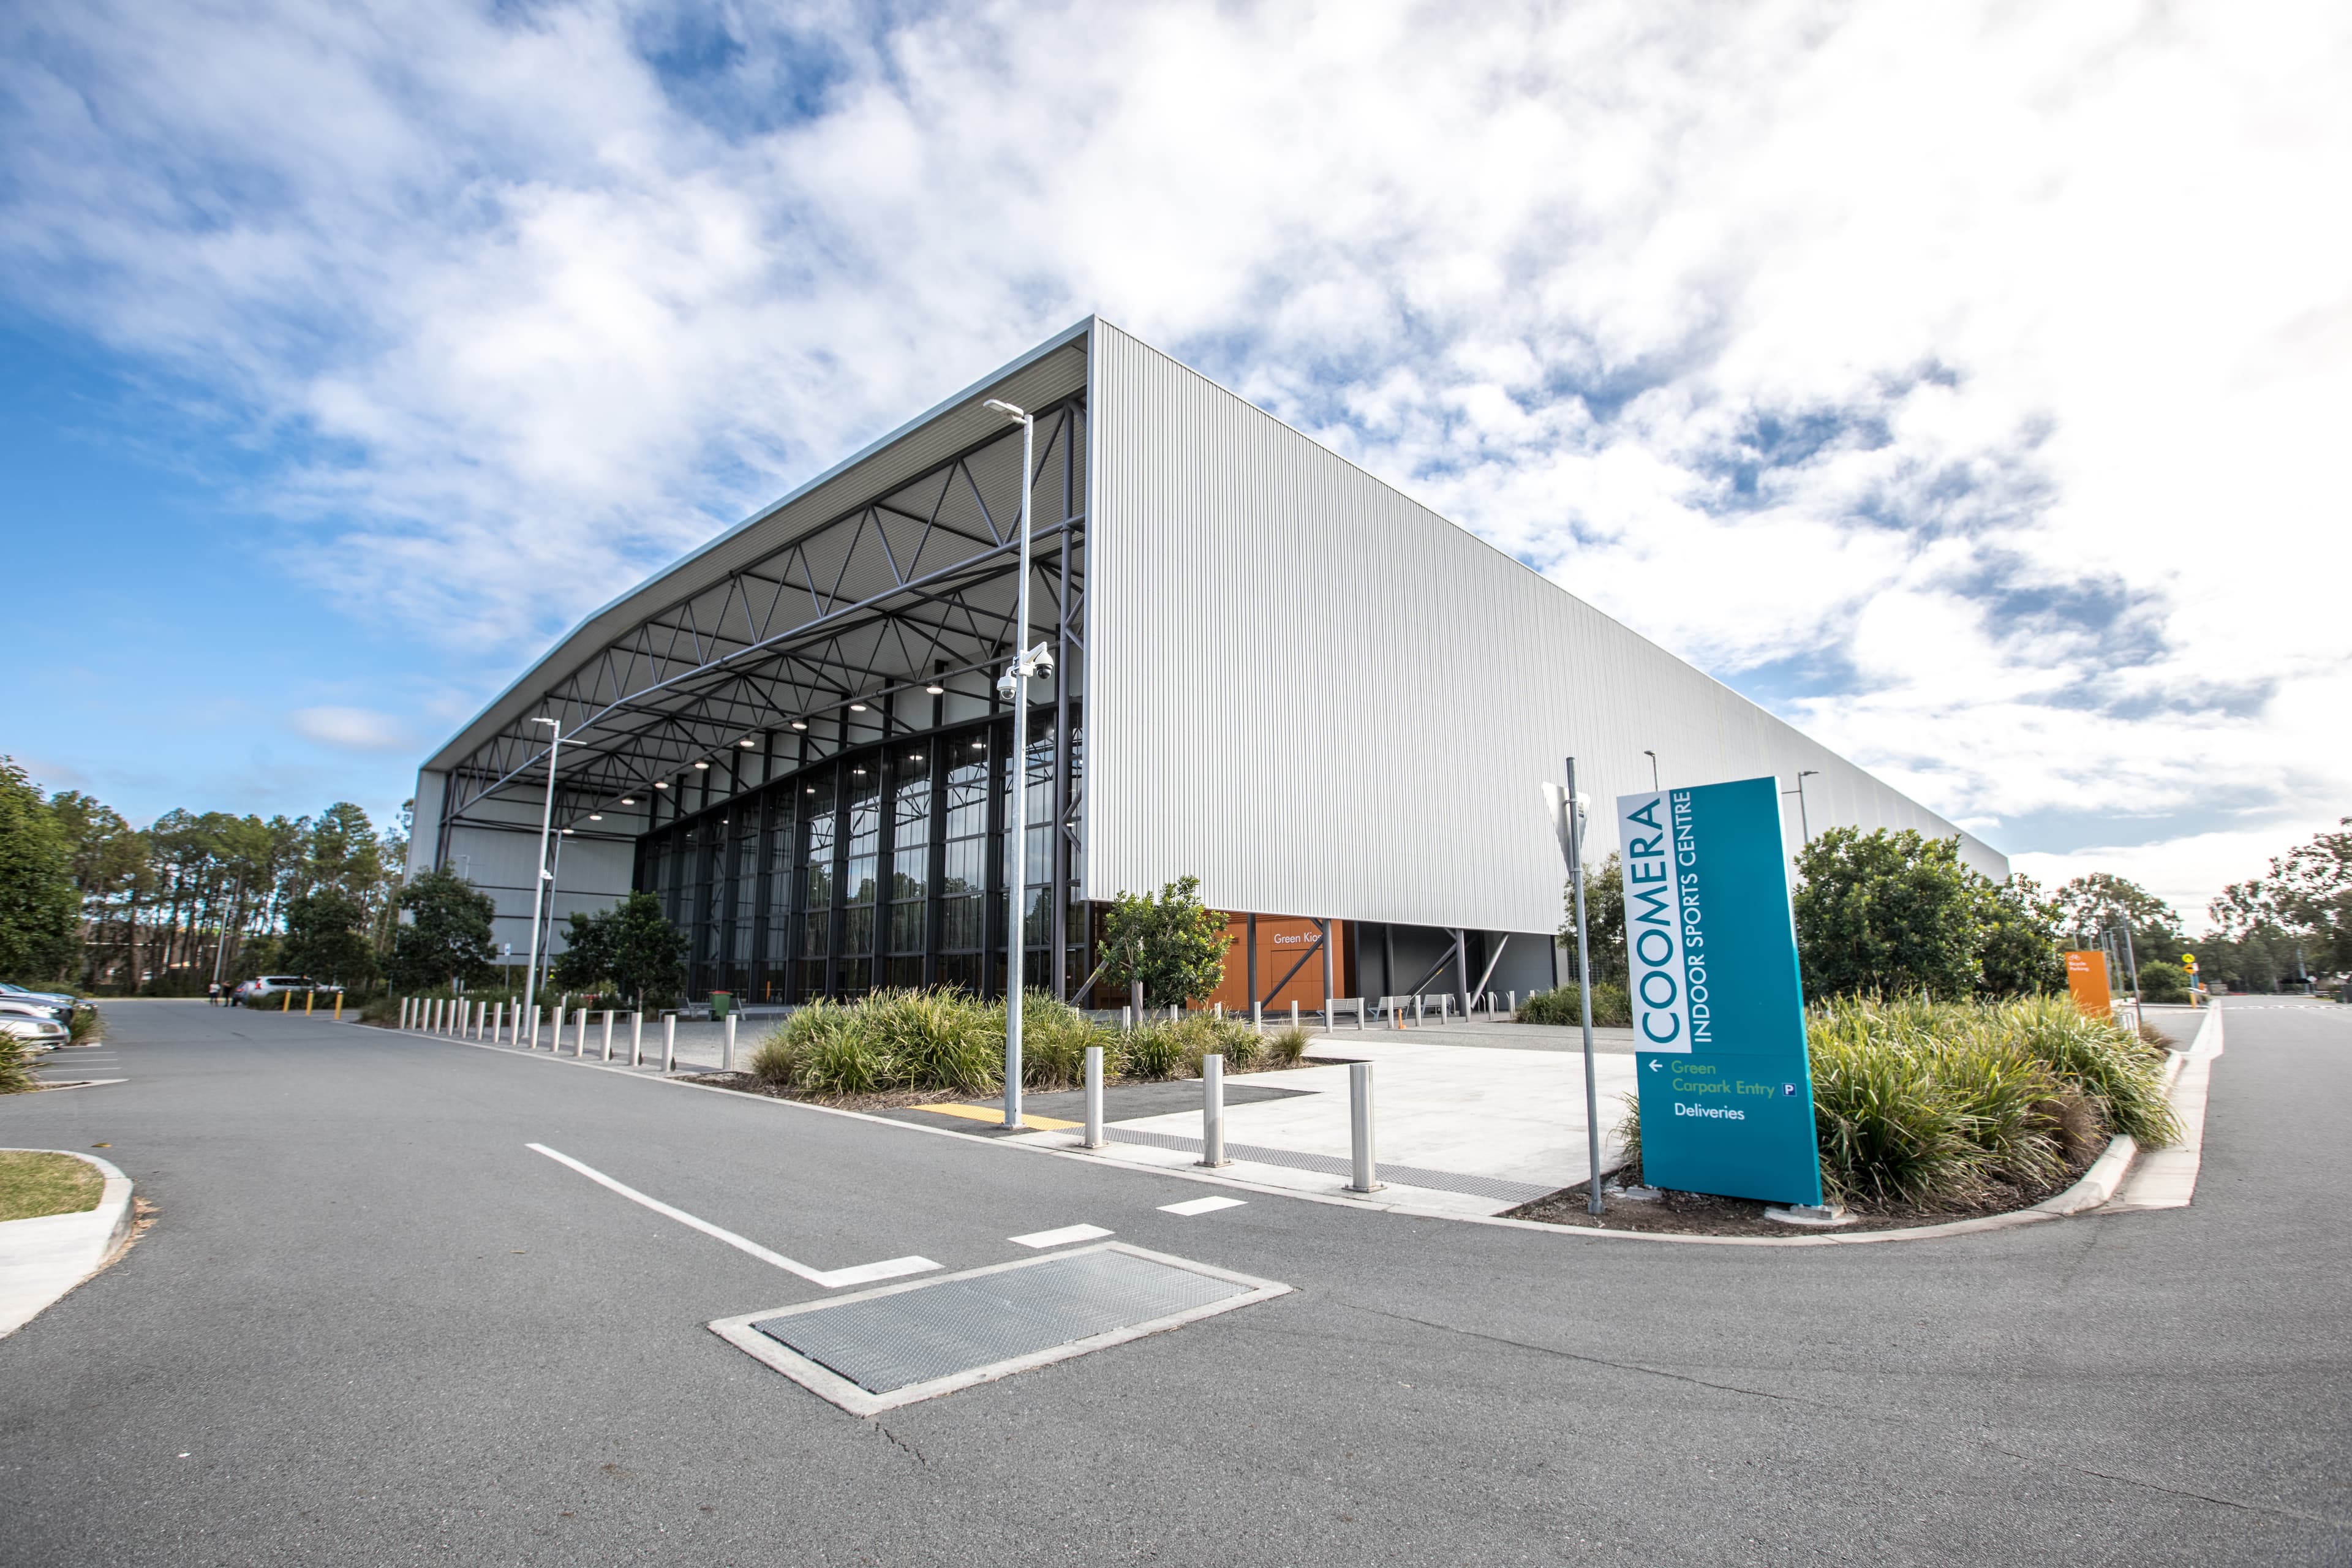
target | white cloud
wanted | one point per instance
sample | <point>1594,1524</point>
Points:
<point>1967,377</point>
<point>350,729</point>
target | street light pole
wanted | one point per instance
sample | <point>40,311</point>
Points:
<point>546,820</point>
<point>1574,806</point>
<point>1015,683</point>
<point>1804,819</point>
<point>1653,768</point>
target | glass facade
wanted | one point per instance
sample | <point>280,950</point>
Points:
<point>880,866</point>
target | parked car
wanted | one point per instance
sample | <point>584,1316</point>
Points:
<point>264,990</point>
<point>31,1027</point>
<point>52,1003</point>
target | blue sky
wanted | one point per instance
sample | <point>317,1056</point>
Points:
<point>1962,381</point>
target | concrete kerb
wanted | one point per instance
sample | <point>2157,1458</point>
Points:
<point>2096,1187</point>
<point>43,1258</point>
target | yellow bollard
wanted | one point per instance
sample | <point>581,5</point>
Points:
<point>339,1007</point>
<point>287,1006</point>
<point>307,997</point>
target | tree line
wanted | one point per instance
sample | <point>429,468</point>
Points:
<point>90,900</point>
<point>1891,913</point>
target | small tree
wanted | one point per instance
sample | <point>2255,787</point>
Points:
<point>587,961</point>
<point>40,909</point>
<point>2017,940</point>
<point>648,952</point>
<point>1170,941</point>
<point>1604,920</point>
<point>449,936</point>
<point>327,938</point>
<point>633,945</point>
<point>1886,914</point>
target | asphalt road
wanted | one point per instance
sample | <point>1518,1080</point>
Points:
<point>370,1326</point>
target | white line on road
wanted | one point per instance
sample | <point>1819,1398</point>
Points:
<point>1201,1205</point>
<point>831,1279</point>
<point>1061,1238</point>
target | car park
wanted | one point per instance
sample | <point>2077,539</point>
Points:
<point>50,1004</point>
<point>32,1027</point>
<point>263,990</point>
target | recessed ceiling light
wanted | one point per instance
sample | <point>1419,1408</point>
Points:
<point>858,707</point>
<point>980,745</point>
<point>747,742</point>
<point>567,830</point>
<point>811,790</point>
<point>704,766</point>
<point>936,689</point>
<point>798,725</point>
<point>632,800</point>
<point>859,771</point>
<point>595,816</point>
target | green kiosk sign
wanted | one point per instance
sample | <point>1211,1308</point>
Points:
<point>1718,1011</point>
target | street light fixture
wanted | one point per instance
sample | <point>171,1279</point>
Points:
<point>1654,767</point>
<point>1013,684</point>
<point>1804,818</point>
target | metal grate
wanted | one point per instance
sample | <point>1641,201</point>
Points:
<point>887,1342</point>
<point>1494,1187</point>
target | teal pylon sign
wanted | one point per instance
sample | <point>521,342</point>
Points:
<point>1726,1087</point>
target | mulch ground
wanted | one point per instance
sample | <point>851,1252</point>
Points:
<point>1704,1214</point>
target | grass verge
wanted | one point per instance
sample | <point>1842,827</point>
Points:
<point>33,1184</point>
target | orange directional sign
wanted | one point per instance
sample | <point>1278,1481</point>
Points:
<point>2087,981</point>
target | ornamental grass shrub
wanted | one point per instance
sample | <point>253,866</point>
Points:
<point>1947,1104</point>
<point>1613,1007</point>
<point>15,1078</point>
<point>946,1042</point>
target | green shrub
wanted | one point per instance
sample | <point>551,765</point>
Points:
<point>1285,1046</point>
<point>84,1027</point>
<point>15,1078</point>
<point>1155,1050</point>
<point>2162,982</point>
<point>1053,1040</point>
<point>939,1039</point>
<point>1613,1007</point>
<point>844,1061</point>
<point>1891,1131</point>
<point>1241,1043</point>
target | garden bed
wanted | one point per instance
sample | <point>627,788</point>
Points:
<point>1929,1112</point>
<point>900,1049</point>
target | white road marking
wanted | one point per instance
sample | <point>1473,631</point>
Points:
<point>1201,1205</point>
<point>1061,1238</point>
<point>831,1279</point>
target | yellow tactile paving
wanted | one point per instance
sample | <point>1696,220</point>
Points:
<point>987,1113</point>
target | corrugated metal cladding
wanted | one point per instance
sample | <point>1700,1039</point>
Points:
<point>1323,698</point>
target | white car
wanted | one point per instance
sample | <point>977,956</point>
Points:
<point>52,1003</point>
<point>31,1025</point>
<point>264,990</point>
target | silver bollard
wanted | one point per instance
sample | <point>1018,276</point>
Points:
<point>1094,1098</point>
<point>669,1041</point>
<point>403,1012</point>
<point>580,1033</point>
<point>1126,1018</point>
<point>1417,1010</point>
<point>608,1034</point>
<point>532,1043</point>
<point>1294,1013</point>
<point>1213,1110</point>
<point>1257,1017</point>
<point>1366,1177</point>
<point>727,1062</point>
<point>637,1039</point>
<point>1360,1014</point>
<point>481,1017</point>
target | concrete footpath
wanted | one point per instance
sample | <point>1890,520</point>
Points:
<point>44,1257</point>
<point>1458,1129</point>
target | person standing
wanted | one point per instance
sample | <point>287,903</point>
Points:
<point>212,994</point>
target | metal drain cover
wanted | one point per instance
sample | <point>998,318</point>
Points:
<point>901,1343</point>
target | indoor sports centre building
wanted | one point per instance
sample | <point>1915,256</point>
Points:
<point>1273,671</point>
